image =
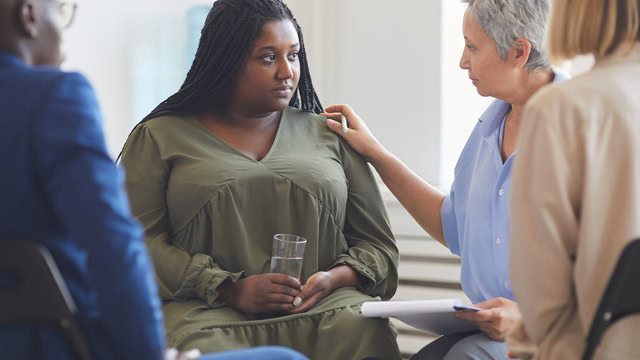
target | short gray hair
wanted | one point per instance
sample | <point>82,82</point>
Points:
<point>507,20</point>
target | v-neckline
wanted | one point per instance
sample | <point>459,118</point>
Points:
<point>234,149</point>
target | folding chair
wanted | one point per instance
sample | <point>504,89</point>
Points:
<point>34,292</point>
<point>621,298</point>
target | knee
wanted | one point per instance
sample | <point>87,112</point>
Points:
<point>264,353</point>
<point>277,353</point>
<point>478,347</point>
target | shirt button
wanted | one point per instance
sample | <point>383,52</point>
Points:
<point>507,285</point>
<point>498,241</point>
<point>500,192</point>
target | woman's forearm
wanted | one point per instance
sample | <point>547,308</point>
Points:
<point>422,200</point>
<point>343,276</point>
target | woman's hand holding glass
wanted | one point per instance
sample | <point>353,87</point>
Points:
<point>358,135</point>
<point>261,293</point>
<point>283,293</point>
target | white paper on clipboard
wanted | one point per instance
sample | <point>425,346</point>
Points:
<point>432,316</point>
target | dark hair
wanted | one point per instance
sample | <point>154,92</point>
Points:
<point>227,36</point>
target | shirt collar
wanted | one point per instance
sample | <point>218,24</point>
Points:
<point>492,118</point>
<point>10,59</point>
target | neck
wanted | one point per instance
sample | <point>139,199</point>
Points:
<point>515,114</point>
<point>12,49</point>
<point>246,121</point>
<point>528,85</point>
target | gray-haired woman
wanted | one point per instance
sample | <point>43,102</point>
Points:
<point>505,58</point>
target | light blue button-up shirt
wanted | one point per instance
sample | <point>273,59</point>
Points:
<point>475,214</point>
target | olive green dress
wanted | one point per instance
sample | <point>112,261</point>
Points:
<point>210,213</point>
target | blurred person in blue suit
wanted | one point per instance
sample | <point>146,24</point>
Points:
<point>61,189</point>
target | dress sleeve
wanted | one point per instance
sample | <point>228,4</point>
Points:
<point>85,189</point>
<point>544,229</point>
<point>180,274</point>
<point>372,252</point>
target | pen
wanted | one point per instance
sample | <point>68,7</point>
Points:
<point>345,127</point>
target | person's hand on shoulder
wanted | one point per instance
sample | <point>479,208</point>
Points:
<point>357,135</point>
<point>497,317</point>
<point>261,293</point>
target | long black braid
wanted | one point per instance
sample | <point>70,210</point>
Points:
<point>227,37</point>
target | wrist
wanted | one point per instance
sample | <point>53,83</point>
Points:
<point>378,155</point>
<point>342,276</point>
<point>226,292</point>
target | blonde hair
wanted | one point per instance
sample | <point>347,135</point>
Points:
<point>598,27</point>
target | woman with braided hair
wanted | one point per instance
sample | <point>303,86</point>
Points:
<point>237,155</point>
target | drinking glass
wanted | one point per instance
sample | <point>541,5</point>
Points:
<point>287,254</point>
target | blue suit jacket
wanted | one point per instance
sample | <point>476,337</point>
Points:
<point>60,188</point>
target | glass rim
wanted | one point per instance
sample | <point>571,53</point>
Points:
<point>279,238</point>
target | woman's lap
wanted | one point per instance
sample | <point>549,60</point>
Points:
<point>473,345</point>
<point>332,327</point>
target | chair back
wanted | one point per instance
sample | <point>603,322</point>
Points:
<point>35,292</point>
<point>620,299</point>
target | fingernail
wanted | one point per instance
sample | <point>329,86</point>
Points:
<point>192,354</point>
<point>297,301</point>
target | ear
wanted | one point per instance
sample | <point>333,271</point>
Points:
<point>28,18</point>
<point>520,52</point>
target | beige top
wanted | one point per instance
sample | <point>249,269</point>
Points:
<point>575,205</point>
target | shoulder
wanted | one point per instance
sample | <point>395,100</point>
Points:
<point>56,83</point>
<point>33,76</point>
<point>591,95</point>
<point>165,124</point>
<point>66,97</point>
<point>62,102</point>
<point>311,126</point>
<point>166,128</point>
<point>160,134</point>
<point>73,83</point>
<point>42,87</point>
<point>306,119</point>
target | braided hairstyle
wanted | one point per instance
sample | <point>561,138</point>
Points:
<point>227,37</point>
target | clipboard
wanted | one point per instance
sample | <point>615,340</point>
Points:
<point>431,316</point>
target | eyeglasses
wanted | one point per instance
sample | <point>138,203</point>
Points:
<point>67,12</point>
